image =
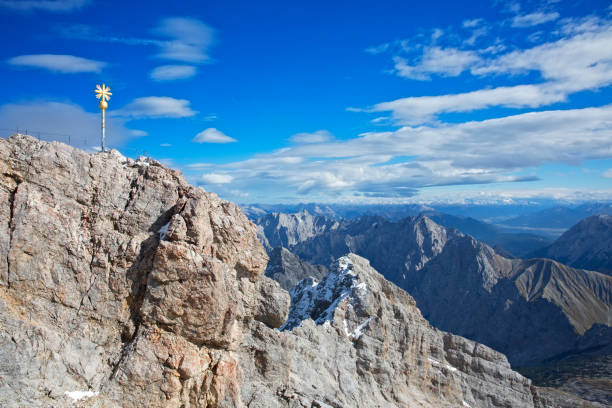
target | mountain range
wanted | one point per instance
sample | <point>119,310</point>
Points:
<point>288,229</point>
<point>466,287</point>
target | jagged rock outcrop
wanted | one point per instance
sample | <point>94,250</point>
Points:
<point>587,245</point>
<point>288,269</point>
<point>286,230</point>
<point>529,310</point>
<point>120,284</point>
<point>357,340</point>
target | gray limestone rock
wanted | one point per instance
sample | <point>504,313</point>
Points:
<point>288,269</point>
<point>286,230</point>
<point>120,284</point>
<point>357,340</point>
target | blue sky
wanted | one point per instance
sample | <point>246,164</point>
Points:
<point>360,102</point>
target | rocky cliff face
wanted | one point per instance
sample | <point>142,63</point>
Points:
<point>121,285</point>
<point>529,310</point>
<point>288,269</point>
<point>587,245</point>
<point>286,230</point>
<point>357,340</point>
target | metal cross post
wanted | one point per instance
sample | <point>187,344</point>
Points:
<point>103,94</point>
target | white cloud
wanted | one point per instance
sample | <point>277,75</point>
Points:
<point>437,60</point>
<point>64,122</point>
<point>415,110</point>
<point>395,164</point>
<point>65,64</point>
<point>379,49</point>
<point>198,166</point>
<point>472,23</point>
<point>580,62</point>
<point>189,39</point>
<point>157,107</point>
<point>607,173</point>
<point>173,72</point>
<point>216,178</point>
<point>56,6</point>
<point>533,19</point>
<point>212,135</point>
<point>317,137</point>
<point>165,144</point>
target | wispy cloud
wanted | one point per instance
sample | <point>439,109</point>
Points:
<point>88,32</point>
<point>54,6</point>
<point>173,72</point>
<point>533,19</point>
<point>188,39</point>
<point>607,173</point>
<point>437,60</point>
<point>182,39</point>
<point>576,62</point>
<point>216,178</point>
<point>415,110</point>
<point>138,133</point>
<point>212,135</point>
<point>156,107</point>
<point>199,166</point>
<point>65,122</point>
<point>65,64</point>
<point>319,136</point>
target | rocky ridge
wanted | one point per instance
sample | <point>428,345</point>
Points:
<point>286,230</point>
<point>121,285</point>
<point>464,286</point>
<point>356,340</point>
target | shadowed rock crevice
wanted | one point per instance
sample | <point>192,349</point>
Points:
<point>11,205</point>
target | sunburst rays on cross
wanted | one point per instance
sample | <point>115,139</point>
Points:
<point>103,92</point>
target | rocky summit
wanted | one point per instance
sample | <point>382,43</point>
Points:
<point>123,286</point>
<point>120,284</point>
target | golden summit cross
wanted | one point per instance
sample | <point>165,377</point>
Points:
<point>103,93</point>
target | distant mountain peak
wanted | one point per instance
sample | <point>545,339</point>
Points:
<point>587,245</point>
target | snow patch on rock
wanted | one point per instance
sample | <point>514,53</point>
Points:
<point>318,301</point>
<point>163,231</point>
<point>440,364</point>
<point>78,395</point>
<point>358,332</point>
